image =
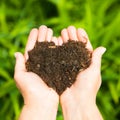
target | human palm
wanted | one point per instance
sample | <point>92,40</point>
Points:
<point>37,95</point>
<point>88,81</point>
<point>30,84</point>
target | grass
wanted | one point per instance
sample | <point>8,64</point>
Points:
<point>100,18</point>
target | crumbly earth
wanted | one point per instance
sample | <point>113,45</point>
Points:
<point>58,66</point>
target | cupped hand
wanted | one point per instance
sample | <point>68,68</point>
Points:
<point>82,94</point>
<point>34,91</point>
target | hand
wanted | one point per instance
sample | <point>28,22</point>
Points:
<point>79,101</point>
<point>40,101</point>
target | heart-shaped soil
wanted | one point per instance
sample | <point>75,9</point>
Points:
<point>58,66</point>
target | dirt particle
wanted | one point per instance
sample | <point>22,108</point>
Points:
<point>58,66</point>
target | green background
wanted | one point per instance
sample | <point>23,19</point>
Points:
<point>101,20</point>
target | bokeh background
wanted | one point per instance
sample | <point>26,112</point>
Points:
<point>101,20</point>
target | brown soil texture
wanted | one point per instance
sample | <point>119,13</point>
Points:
<point>58,66</point>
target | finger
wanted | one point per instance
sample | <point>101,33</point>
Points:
<point>96,58</point>
<point>64,35</point>
<point>60,41</point>
<point>20,63</point>
<point>54,39</point>
<point>72,33</point>
<point>83,37</point>
<point>42,33</point>
<point>31,41</point>
<point>49,34</point>
<point>89,46</point>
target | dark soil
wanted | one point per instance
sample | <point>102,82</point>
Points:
<point>58,66</point>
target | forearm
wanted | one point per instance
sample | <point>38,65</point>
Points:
<point>72,113</point>
<point>91,113</point>
<point>69,106</point>
<point>83,109</point>
<point>38,113</point>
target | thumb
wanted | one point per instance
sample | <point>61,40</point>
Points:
<point>96,57</point>
<point>20,62</point>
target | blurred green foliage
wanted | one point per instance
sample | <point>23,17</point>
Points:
<point>101,20</point>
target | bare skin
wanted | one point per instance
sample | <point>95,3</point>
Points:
<point>40,101</point>
<point>79,101</point>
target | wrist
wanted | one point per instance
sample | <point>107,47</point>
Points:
<point>76,108</point>
<point>68,104</point>
<point>50,98</point>
<point>90,112</point>
<point>46,111</point>
<point>43,107</point>
<point>79,112</point>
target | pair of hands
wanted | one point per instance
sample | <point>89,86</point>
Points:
<point>41,102</point>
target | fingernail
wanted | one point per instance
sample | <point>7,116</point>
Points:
<point>103,50</point>
<point>15,54</point>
